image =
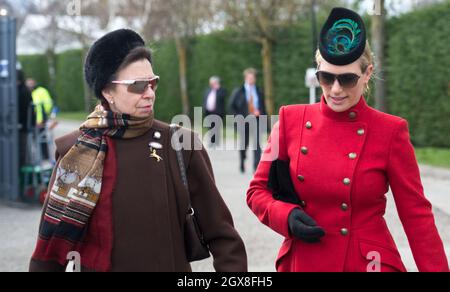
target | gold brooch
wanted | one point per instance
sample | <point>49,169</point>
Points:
<point>156,156</point>
<point>153,147</point>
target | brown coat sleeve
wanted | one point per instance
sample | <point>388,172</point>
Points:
<point>213,216</point>
<point>63,145</point>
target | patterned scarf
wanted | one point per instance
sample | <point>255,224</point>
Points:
<point>76,190</point>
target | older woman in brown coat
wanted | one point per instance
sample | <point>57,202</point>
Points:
<point>117,196</point>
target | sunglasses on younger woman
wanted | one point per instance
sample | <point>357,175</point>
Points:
<point>139,86</point>
<point>346,80</point>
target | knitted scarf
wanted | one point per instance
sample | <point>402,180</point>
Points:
<point>77,187</point>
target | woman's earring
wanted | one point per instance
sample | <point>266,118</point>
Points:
<point>111,102</point>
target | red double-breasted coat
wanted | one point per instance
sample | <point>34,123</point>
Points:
<point>342,165</point>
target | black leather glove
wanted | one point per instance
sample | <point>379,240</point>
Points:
<point>304,227</point>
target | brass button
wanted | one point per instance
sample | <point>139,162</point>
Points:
<point>352,155</point>
<point>361,132</point>
<point>344,207</point>
<point>346,181</point>
<point>344,231</point>
<point>304,150</point>
<point>301,178</point>
<point>352,115</point>
<point>303,204</point>
<point>308,125</point>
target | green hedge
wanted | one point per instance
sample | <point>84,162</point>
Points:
<point>165,64</point>
<point>216,54</point>
<point>417,74</point>
<point>68,92</point>
<point>223,55</point>
<point>292,56</point>
<point>36,67</point>
<point>69,89</point>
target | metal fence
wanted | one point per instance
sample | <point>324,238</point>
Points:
<point>9,157</point>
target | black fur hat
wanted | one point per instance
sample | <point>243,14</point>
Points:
<point>106,55</point>
<point>343,37</point>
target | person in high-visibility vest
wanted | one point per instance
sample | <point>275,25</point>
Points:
<point>43,102</point>
<point>43,106</point>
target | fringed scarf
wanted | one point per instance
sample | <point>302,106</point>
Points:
<point>74,195</point>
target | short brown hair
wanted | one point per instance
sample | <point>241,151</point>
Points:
<point>136,54</point>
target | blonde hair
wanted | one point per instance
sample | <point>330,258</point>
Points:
<point>366,59</point>
<point>252,71</point>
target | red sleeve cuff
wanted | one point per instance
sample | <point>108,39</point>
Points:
<point>279,214</point>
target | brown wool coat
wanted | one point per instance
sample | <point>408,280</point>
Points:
<point>149,207</point>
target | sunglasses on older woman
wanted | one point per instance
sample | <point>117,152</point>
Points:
<point>139,86</point>
<point>346,80</point>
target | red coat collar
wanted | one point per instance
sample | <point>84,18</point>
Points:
<point>351,115</point>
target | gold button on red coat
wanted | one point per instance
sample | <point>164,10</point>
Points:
<point>308,125</point>
<point>352,115</point>
<point>304,150</point>
<point>361,132</point>
<point>344,231</point>
<point>344,207</point>
<point>352,155</point>
<point>301,178</point>
<point>346,181</point>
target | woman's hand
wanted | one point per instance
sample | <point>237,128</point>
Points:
<point>304,227</point>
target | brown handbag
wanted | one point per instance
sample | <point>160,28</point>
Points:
<point>194,242</point>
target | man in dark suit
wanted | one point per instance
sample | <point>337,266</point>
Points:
<point>248,100</point>
<point>214,102</point>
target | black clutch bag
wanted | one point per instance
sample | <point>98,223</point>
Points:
<point>195,246</point>
<point>281,184</point>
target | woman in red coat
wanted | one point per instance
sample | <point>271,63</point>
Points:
<point>340,158</point>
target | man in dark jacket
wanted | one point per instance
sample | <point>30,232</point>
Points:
<point>248,100</point>
<point>27,118</point>
<point>214,102</point>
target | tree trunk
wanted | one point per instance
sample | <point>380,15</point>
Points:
<point>51,56</point>
<point>378,43</point>
<point>267,71</point>
<point>88,102</point>
<point>51,60</point>
<point>182,60</point>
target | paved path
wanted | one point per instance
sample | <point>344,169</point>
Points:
<point>18,227</point>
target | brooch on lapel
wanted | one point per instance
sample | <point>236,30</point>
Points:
<point>154,146</point>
